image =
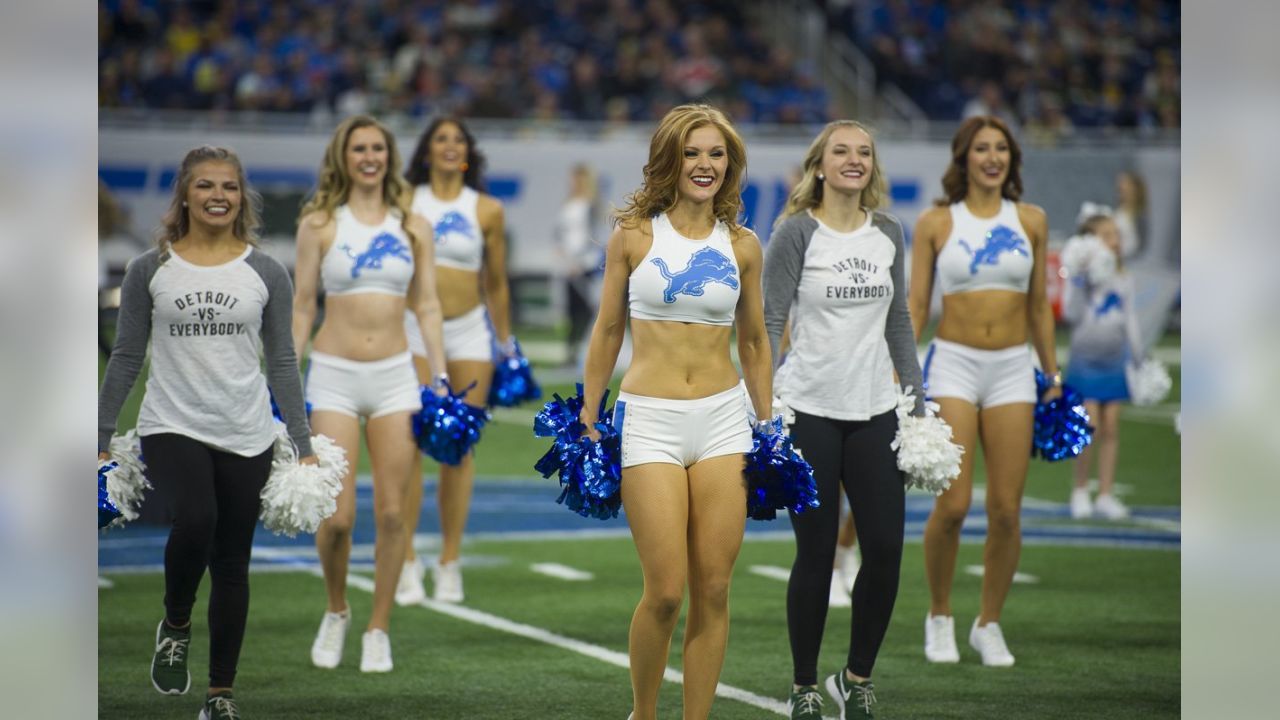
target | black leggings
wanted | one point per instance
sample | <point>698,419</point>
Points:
<point>857,455</point>
<point>213,498</point>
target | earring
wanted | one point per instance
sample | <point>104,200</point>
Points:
<point>465,166</point>
<point>184,203</point>
<point>822,178</point>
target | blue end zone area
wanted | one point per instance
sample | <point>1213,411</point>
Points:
<point>526,510</point>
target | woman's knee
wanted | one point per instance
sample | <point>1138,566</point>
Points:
<point>341,523</point>
<point>1004,519</point>
<point>389,519</point>
<point>664,602</point>
<point>711,593</point>
<point>949,513</point>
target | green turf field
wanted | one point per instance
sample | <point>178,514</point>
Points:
<point>1097,635</point>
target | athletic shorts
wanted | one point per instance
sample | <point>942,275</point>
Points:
<point>1101,381</point>
<point>466,337</point>
<point>986,378</point>
<point>682,432</point>
<point>363,389</point>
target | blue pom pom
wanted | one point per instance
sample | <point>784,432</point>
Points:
<point>446,428</point>
<point>107,511</point>
<point>513,381</point>
<point>1062,428</point>
<point>590,472</point>
<point>778,478</point>
<point>275,409</point>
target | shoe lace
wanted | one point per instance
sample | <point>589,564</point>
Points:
<point>866,696</point>
<point>810,701</point>
<point>173,650</point>
<point>331,634</point>
<point>226,707</point>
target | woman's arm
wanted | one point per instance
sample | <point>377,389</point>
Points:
<point>1039,313</point>
<point>753,340</point>
<point>609,329</point>
<point>899,333</point>
<point>933,223</point>
<point>497,292</point>
<point>423,299</point>
<point>315,232</point>
<point>133,330</point>
<point>783,265</point>
<point>277,348</point>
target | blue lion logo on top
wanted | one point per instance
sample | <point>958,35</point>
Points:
<point>1112,301</point>
<point>1001,239</point>
<point>707,265</point>
<point>383,246</point>
<point>453,222</point>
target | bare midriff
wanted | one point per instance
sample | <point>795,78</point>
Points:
<point>984,319</point>
<point>679,361</point>
<point>459,291</point>
<point>362,326</point>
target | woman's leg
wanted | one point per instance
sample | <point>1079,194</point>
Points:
<point>238,484</point>
<point>1085,460</point>
<point>412,507</point>
<point>717,519</point>
<point>815,529</point>
<point>878,496</point>
<point>392,454</point>
<point>656,499</point>
<point>1108,442</point>
<point>456,481</point>
<point>1006,443</point>
<point>942,531</point>
<point>333,538</point>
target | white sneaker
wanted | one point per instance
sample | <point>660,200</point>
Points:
<point>1110,507</point>
<point>409,590</point>
<point>1081,506</point>
<point>447,582</point>
<point>326,651</point>
<point>375,652</point>
<point>848,562</point>
<point>989,642</point>
<point>839,595</point>
<point>940,639</point>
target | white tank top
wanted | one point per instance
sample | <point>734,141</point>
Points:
<point>367,258</point>
<point>685,280</point>
<point>459,242</point>
<point>985,253</point>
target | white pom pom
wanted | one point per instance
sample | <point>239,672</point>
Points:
<point>1102,264</point>
<point>297,498</point>
<point>788,415</point>
<point>1149,382</point>
<point>1076,253</point>
<point>926,454</point>
<point>128,481</point>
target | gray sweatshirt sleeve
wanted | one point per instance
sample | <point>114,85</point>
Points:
<point>897,328</point>
<point>277,347</point>
<point>133,331</point>
<point>783,263</point>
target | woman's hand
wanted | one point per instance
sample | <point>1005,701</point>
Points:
<point>309,460</point>
<point>1052,393</point>
<point>104,455</point>
<point>588,419</point>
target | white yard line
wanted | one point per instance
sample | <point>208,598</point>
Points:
<point>563,572</point>
<point>772,572</point>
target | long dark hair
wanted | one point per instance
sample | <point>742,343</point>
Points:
<point>418,171</point>
<point>955,182</point>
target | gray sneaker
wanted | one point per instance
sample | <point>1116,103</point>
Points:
<point>220,707</point>
<point>854,698</point>
<point>169,672</point>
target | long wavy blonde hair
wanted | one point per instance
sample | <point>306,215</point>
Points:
<point>176,222</point>
<point>334,186</point>
<point>657,193</point>
<point>808,192</point>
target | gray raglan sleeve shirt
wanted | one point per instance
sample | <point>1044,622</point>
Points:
<point>133,330</point>
<point>897,328</point>
<point>278,351</point>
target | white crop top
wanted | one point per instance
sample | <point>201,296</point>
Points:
<point>684,280</point>
<point>459,242</point>
<point>985,253</point>
<point>367,258</point>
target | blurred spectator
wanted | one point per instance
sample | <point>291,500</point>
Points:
<point>1131,212</point>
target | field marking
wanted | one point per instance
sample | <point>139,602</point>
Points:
<point>563,572</point>
<point>595,652</point>
<point>104,583</point>
<point>1018,577</point>
<point>772,572</point>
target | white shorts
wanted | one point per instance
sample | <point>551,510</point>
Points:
<point>363,389</point>
<point>466,337</point>
<point>682,432</point>
<point>985,378</point>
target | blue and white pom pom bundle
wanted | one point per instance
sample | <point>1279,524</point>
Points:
<point>297,498</point>
<point>124,480</point>
<point>447,428</point>
<point>926,455</point>
<point>1062,427</point>
<point>1148,381</point>
<point>590,472</point>
<point>778,478</point>
<point>513,381</point>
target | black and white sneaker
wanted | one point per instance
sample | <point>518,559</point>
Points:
<point>853,698</point>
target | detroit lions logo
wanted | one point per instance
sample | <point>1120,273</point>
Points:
<point>384,245</point>
<point>1112,301</point>
<point>1000,240</point>
<point>452,223</point>
<point>707,265</point>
